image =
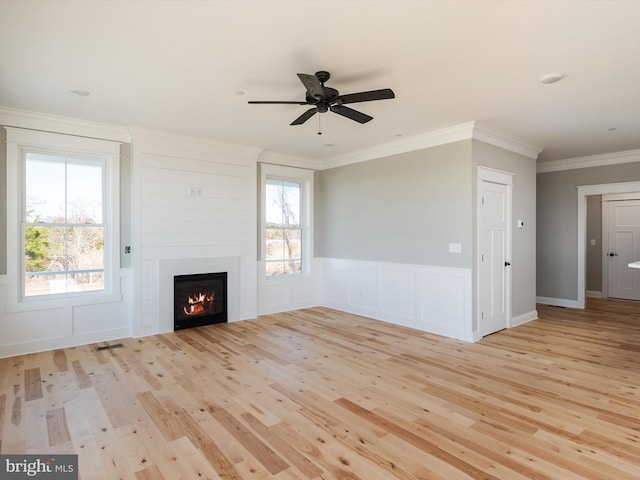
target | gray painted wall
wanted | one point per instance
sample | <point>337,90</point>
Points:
<point>405,208</point>
<point>594,252</point>
<point>557,212</point>
<point>523,258</point>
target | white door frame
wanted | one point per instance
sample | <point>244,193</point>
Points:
<point>604,241</point>
<point>583,192</point>
<point>486,174</point>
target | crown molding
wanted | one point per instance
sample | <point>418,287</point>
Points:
<point>418,142</point>
<point>629,156</point>
<point>13,117</point>
<point>506,141</point>
<point>159,138</point>
<point>287,160</point>
<point>456,133</point>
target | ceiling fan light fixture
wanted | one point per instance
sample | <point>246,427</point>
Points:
<point>551,78</point>
<point>81,92</point>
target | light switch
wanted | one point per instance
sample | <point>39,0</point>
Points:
<point>593,242</point>
<point>455,248</point>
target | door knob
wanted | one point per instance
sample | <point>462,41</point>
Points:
<point>613,254</point>
<point>507,264</point>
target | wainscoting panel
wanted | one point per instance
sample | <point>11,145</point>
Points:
<point>364,287</point>
<point>72,324</point>
<point>288,293</point>
<point>433,299</point>
<point>399,291</point>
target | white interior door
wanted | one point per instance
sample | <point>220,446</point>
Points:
<point>494,250</point>
<point>623,248</point>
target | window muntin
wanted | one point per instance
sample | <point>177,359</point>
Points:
<point>283,227</point>
<point>63,229</point>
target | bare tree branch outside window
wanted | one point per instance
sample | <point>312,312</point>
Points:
<point>283,227</point>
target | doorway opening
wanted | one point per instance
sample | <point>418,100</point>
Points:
<point>585,191</point>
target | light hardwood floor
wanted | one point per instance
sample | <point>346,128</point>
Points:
<point>320,394</point>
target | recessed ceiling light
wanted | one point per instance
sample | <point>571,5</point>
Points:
<point>81,92</point>
<point>239,93</point>
<point>612,129</point>
<point>551,78</point>
<point>329,144</point>
<point>398,134</point>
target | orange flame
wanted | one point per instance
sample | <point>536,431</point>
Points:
<point>200,303</point>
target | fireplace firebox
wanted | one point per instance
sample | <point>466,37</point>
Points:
<point>199,299</point>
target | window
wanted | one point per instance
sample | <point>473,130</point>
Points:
<point>286,212</point>
<point>283,229</point>
<point>63,234</point>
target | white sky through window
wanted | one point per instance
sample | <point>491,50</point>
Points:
<point>47,198</point>
<point>276,192</point>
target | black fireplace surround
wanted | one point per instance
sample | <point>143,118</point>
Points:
<point>199,299</point>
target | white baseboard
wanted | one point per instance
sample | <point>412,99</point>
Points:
<point>594,294</point>
<point>557,302</point>
<point>524,318</point>
<point>47,344</point>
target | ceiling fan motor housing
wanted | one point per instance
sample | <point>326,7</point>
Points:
<point>323,76</point>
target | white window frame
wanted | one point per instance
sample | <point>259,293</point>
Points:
<point>305,178</point>
<point>19,142</point>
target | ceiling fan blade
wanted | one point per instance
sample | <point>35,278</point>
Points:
<point>304,117</point>
<point>383,94</point>
<point>275,102</point>
<point>313,85</point>
<point>351,113</point>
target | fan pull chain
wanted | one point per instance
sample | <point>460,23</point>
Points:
<point>319,129</point>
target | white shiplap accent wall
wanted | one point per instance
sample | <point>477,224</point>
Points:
<point>193,200</point>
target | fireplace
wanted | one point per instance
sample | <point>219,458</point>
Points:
<point>199,299</point>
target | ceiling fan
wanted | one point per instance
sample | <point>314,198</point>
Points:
<point>324,99</point>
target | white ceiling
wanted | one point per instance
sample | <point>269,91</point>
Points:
<point>178,65</point>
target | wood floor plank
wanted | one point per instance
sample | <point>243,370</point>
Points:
<point>320,394</point>
<point>262,452</point>
<point>149,473</point>
<point>32,384</point>
<point>298,460</point>
<point>83,379</point>
<point>60,360</point>
<point>57,429</point>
